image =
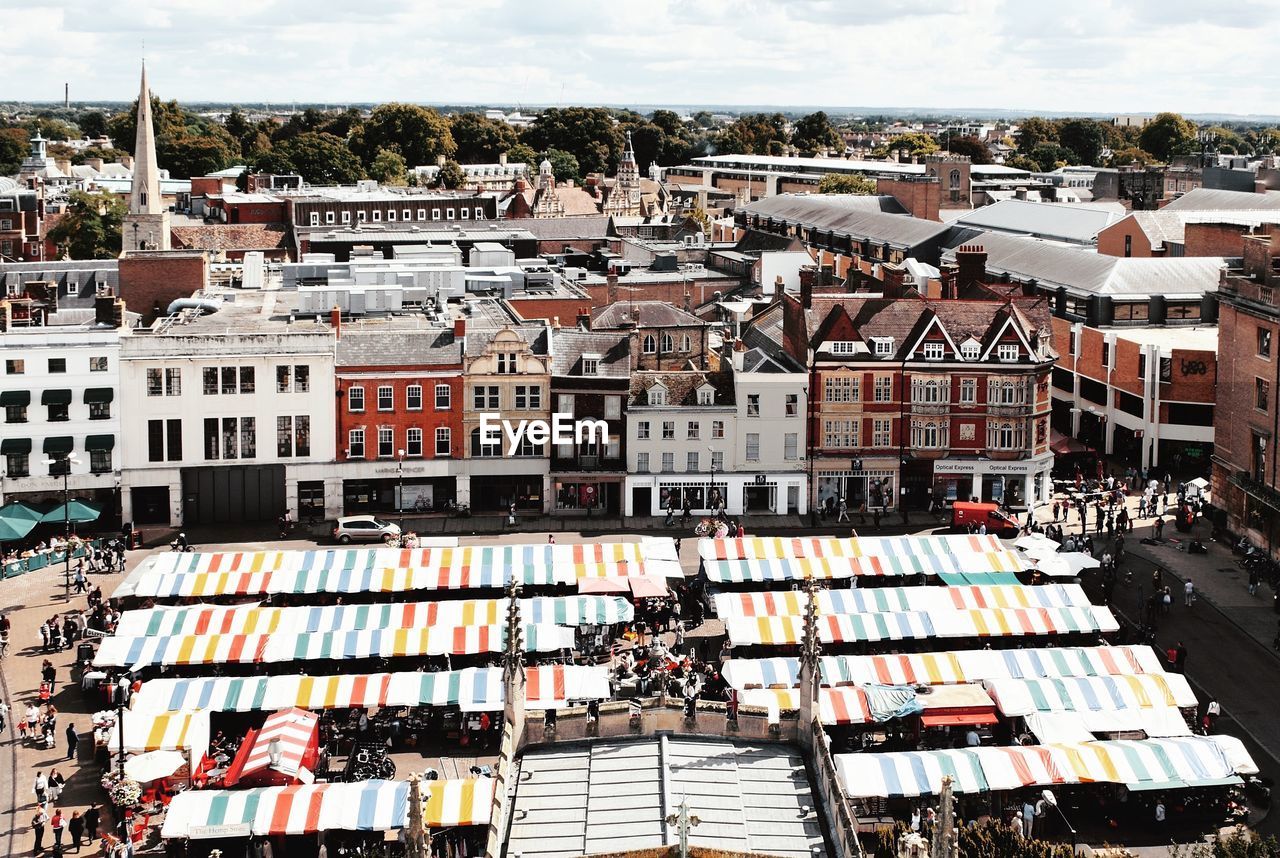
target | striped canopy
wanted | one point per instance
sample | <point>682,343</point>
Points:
<point>294,729</point>
<point>249,619</point>
<point>890,599</point>
<point>169,731</point>
<point>835,705</point>
<point>1091,693</point>
<point>758,547</point>
<point>303,809</point>
<point>554,686</point>
<point>446,804</point>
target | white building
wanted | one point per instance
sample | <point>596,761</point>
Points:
<point>229,417</point>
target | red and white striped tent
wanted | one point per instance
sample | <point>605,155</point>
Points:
<point>282,752</point>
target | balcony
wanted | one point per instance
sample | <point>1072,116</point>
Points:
<point>932,409</point>
<point>1257,488</point>
<point>1010,410</point>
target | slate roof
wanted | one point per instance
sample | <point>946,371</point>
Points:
<point>478,339</point>
<point>682,387</point>
<point>407,348</point>
<point>1047,220</point>
<point>1213,199</point>
<point>593,226</point>
<point>645,314</point>
<point>1163,226</point>
<point>568,346</point>
<point>833,213</point>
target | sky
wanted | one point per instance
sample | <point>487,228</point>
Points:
<point>1092,56</point>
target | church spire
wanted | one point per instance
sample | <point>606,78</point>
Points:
<point>144,195</point>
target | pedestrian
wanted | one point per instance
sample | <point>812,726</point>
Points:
<point>38,822</point>
<point>1188,593</point>
<point>1180,657</point>
<point>1166,600</point>
<point>1142,507</point>
<point>73,739</point>
<point>511,514</point>
<point>1160,528</point>
<point>59,825</point>
<point>75,829</point>
<point>4,716</point>
<point>844,511</point>
<point>551,539</point>
<point>1211,713</point>
<point>41,788</point>
<point>44,637</point>
<point>1160,815</point>
<point>56,783</point>
<point>92,817</point>
<point>1253,582</point>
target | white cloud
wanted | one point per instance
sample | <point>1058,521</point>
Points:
<point>1100,56</point>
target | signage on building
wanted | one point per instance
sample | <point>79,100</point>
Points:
<point>760,478</point>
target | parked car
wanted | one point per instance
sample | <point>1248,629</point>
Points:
<point>364,528</point>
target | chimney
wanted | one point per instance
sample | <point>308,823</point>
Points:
<point>688,302</point>
<point>971,260</point>
<point>6,315</point>
<point>335,319</point>
<point>555,322</point>
<point>459,328</point>
<point>63,165</point>
<point>126,160</point>
<point>502,159</point>
<point>584,318</point>
<point>739,355</point>
<point>95,163</point>
<point>947,277</point>
<point>779,288</point>
<point>611,288</point>
<point>895,277</point>
<point>108,310</point>
<point>808,276</point>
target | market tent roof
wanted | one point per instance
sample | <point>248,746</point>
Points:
<point>554,686</point>
<point>451,803</point>
<point>759,547</point>
<point>302,809</point>
<point>1017,697</point>
<point>891,599</point>
<point>168,731</point>
<point>74,510</point>
<point>835,705</point>
<point>294,729</point>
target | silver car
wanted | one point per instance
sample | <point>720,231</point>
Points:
<point>364,528</point>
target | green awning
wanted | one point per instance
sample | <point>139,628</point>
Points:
<point>76,510</point>
<point>100,442</point>
<point>56,397</point>
<point>15,397</point>
<point>98,394</point>
<point>15,446</point>
<point>59,444</point>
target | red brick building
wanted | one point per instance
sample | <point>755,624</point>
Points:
<point>1180,232</point>
<point>399,415</point>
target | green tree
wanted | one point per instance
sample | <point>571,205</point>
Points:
<point>704,119</point>
<point>420,134</point>
<point>669,121</point>
<point>1049,156</point>
<point>306,122</point>
<point>388,168</point>
<point>587,133</point>
<point>836,183</point>
<point>1035,130</point>
<point>1084,138</point>
<point>167,118</point>
<point>1227,140</point>
<point>564,166</point>
<point>90,226</point>
<point>107,155</point>
<point>14,145</point>
<point>451,177</point>
<point>754,134</point>
<point>322,159</point>
<point>1167,136</point>
<point>815,133</point>
<point>1130,155</point>
<point>522,154</point>
<point>53,129</point>
<point>972,148</point>
<point>481,140</point>
<point>93,123</point>
<point>344,123</point>
<point>914,143</point>
<point>199,154</point>
<point>272,161</point>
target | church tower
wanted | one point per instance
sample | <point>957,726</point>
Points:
<point>146,226</point>
<point>628,185</point>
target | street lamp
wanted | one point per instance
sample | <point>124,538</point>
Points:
<point>711,489</point>
<point>400,480</point>
<point>123,687</point>
<point>66,460</point>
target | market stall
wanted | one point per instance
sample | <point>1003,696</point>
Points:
<point>282,752</point>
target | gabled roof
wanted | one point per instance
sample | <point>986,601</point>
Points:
<point>927,322</point>
<point>399,348</point>
<point>682,387</point>
<point>828,214</point>
<point>613,349</point>
<point>534,335</point>
<point>643,314</point>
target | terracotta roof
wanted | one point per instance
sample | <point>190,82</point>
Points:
<point>682,387</point>
<point>248,236</point>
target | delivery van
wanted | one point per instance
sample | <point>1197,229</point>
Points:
<point>965,514</point>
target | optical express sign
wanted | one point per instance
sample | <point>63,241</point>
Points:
<point>562,429</point>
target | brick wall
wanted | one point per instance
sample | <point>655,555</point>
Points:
<point>1111,240</point>
<point>920,198</point>
<point>400,418</point>
<point>151,280</point>
<point>1214,239</point>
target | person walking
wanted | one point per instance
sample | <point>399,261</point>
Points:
<point>73,739</point>
<point>844,511</point>
<point>92,817</point>
<point>59,825</point>
<point>1253,582</point>
<point>38,822</point>
<point>1180,657</point>
<point>75,829</point>
<point>1188,593</point>
<point>41,788</point>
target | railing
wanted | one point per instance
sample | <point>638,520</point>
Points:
<point>1257,488</point>
<point>44,559</point>
<point>931,408</point>
<point>1009,410</point>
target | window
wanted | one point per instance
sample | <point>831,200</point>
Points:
<point>422,214</point>
<point>843,347</point>
<point>449,215</point>
<point>230,380</point>
<point>882,432</point>
<point>1261,389</point>
<point>1131,311</point>
<point>642,463</point>
<point>884,346</point>
<point>1077,306</point>
<point>691,462</point>
<point>840,434</point>
<point>929,391</point>
<point>1005,436</point>
<point>1128,245</point>
<point>485,397</point>
<point>528,448</point>
<point>668,344</point>
<point>717,460</point>
<point>706,396</point>
<point>413,397</point>
<point>1009,354</point>
<point>1106,353</point>
<point>791,446</point>
<point>686,344</point>
<point>230,438</point>
<point>361,217</point>
<point>934,351</point>
<point>284,379</point>
<point>479,213</point>
<point>315,218</point>
<point>248,380</point>
<point>753,405</point>
<point>444,442</point>
<point>693,430</point>
<point>668,462</point>
<point>302,435</point>
<point>15,414</point>
<point>506,363</point>
<point>18,367</point>
<point>377,215</point>
<point>528,397</point>
<point>590,366</point>
<point>717,428</point>
<point>99,410</point>
<point>753,446</point>
<point>355,444</point>
<point>613,407</point>
<point>793,405</point>
<point>840,388</point>
<point>328,217</point>
<point>668,430</point>
<point>650,344</point>
<point>97,364</point>
<point>970,350</point>
<point>386,442</point>
<point>968,391</point>
<point>927,436</point>
<point>346,217</point>
<point>18,464</point>
<point>657,395</point>
<point>173,381</point>
<point>464,213</point>
<point>284,437</point>
<point>1264,342</point>
<point>210,377</point>
<point>355,399</point>
<point>413,442</point>
<point>59,412</point>
<point>407,215</point>
<point>57,365</point>
<point>482,448</point>
<point>386,397</point>
<point>1142,367</point>
<point>642,430</point>
<point>435,214</point>
<point>884,388</point>
<point>301,378</point>
<point>155,383</point>
<point>248,437</point>
<point>210,438</point>
<point>444,396</point>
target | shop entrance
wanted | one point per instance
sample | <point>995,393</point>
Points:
<point>760,497</point>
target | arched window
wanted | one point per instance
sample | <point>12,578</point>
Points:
<point>954,179</point>
<point>650,344</point>
<point>686,344</point>
<point>668,343</point>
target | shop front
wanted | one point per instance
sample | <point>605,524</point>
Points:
<point>388,486</point>
<point>1015,484</point>
<point>868,481</point>
<point>581,494</point>
<point>496,484</point>
<point>702,494</point>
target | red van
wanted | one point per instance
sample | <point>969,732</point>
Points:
<point>965,514</point>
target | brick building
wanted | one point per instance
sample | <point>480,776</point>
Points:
<point>399,414</point>
<point>662,337</point>
<point>149,280</point>
<point>1246,485</point>
<point>1182,232</point>
<point>590,380</point>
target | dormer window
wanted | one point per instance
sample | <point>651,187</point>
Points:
<point>970,350</point>
<point>884,346</point>
<point>657,395</point>
<point>706,395</point>
<point>934,351</point>
<point>843,347</point>
<point>1007,354</point>
<point>591,365</point>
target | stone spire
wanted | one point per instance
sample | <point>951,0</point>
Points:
<point>144,195</point>
<point>513,678</point>
<point>810,678</point>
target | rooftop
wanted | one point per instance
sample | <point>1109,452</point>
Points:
<point>836,215</point>
<point>1062,221</point>
<point>1197,338</point>
<point>644,314</point>
<point>1212,199</point>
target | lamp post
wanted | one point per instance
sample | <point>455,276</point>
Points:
<point>123,687</point>
<point>711,489</point>
<point>400,486</point>
<point>66,460</point>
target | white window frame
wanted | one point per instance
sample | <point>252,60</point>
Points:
<point>934,351</point>
<point>753,447</point>
<point>408,397</point>
<point>1007,353</point>
<point>355,437</point>
<point>346,217</point>
<point>389,392</point>
<point>353,393</point>
<point>448,397</point>
<point>444,434</point>
<point>412,438</point>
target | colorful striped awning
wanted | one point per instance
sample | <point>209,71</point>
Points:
<point>890,599</point>
<point>554,686</point>
<point>302,809</point>
<point>293,728</point>
<point>835,705</point>
<point>447,804</point>
<point>168,731</point>
<point>1091,693</point>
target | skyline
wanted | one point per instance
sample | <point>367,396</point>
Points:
<point>998,55</point>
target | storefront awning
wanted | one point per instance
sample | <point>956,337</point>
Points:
<point>98,394</point>
<point>100,442</point>
<point>15,446</point>
<point>59,396</point>
<point>15,397</point>
<point>59,444</point>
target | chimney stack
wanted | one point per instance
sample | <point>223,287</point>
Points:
<point>611,288</point>
<point>971,260</point>
<point>335,319</point>
<point>108,310</point>
<point>584,318</point>
<point>779,288</point>
<point>894,280</point>
<point>809,274</point>
<point>947,277</point>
